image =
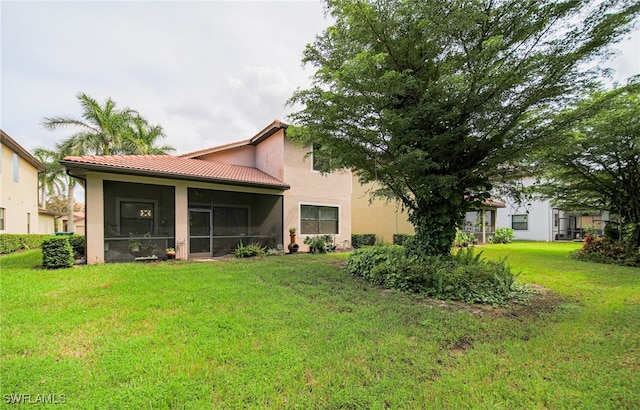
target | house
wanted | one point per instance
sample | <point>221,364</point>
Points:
<point>204,203</point>
<point>78,222</point>
<point>384,218</point>
<point>539,220</point>
<point>19,211</point>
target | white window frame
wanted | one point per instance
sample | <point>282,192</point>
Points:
<point>301,204</point>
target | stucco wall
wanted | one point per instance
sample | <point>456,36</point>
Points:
<point>383,218</point>
<point>244,155</point>
<point>19,199</point>
<point>309,187</point>
<point>539,215</point>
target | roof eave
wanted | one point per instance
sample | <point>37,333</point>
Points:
<point>71,165</point>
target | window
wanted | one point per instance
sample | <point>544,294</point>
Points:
<point>137,217</point>
<point>1,219</point>
<point>28,222</point>
<point>318,219</point>
<point>16,168</point>
<point>319,163</point>
<point>520,222</point>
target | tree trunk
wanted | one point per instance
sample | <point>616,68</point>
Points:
<point>435,223</point>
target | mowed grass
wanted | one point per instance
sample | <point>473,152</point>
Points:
<point>299,332</point>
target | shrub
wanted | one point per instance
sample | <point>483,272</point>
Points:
<point>465,276</point>
<point>605,250</point>
<point>502,235</point>
<point>320,243</point>
<point>253,249</point>
<point>57,253</point>
<point>462,240</point>
<point>78,243</point>
<point>358,240</point>
<point>401,238</point>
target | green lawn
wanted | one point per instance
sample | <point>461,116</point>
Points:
<point>298,332</point>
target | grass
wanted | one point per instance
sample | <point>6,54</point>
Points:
<point>297,332</point>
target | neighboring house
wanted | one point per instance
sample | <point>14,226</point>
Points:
<point>19,211</point>
<point>78,222</point>
<point>384,218</point>
<point>204,203</point>
<point>539,220</point>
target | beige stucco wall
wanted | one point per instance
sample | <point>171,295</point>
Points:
<point>94,213</point>
<point>309,187</point>
<point>383,218</point>
<point>244,155</point>
<point>20,199</point>
<point>269,155</point>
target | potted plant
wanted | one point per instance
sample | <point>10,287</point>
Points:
<point>134,245</point>
<point>171,253</point>
<point>293,246</point>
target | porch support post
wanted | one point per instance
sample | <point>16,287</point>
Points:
<point>182,222</point>
<point>484,228</point>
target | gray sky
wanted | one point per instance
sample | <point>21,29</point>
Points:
<point>209,72</point>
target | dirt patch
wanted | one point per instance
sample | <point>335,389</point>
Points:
<point>543,302</point>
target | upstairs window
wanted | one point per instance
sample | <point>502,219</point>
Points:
<point>319,163</point>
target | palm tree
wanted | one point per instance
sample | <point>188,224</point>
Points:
<point>102,127</point>
<point>142,139</point>
<point>52,181</point>
<point>104,130</point>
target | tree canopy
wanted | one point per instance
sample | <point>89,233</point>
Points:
<point>106,130</point>
<point>597,163</point>
<point>434,99</point>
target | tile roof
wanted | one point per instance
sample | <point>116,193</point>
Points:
<point>176,167</point>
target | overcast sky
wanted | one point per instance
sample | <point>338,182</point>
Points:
<point>209,72</point>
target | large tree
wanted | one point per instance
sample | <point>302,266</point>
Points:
<point>597,165</point>
<point>433,99</point>
<point>103,129</point>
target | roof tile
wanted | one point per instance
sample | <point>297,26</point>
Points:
<point>169,165</point>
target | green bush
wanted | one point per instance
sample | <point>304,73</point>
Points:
<point>401,238</point>
<point>358,240</point>
<point>320,243</point>
<point>462,240</point>
<point>253,249</point>
<point>502,235</point>
<point>57,253</point>
<point>605,250</point>
<point>465,276</point>
<point>78,243</point>
<point>14,242</point>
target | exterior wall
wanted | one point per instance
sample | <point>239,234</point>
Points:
<point>94,215</point>
<point>20,199</point>
<point>309,187</point>
<point>539,214</point>
<point>244,155</point>
<point>380,217</point>
<point>46,223</point>
<point>270,155</point>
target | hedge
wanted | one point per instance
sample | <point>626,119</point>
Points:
<point>358,240</point>
<point>13,242</point>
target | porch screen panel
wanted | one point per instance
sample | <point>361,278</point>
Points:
<point>240,217</point>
